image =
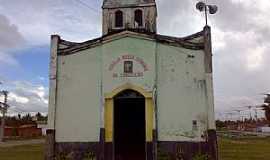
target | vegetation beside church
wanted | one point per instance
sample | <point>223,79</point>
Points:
<point>266,107</point>
<point>18,120</point>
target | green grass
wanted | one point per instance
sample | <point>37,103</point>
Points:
<point>25,152</point>
<point>244,149</point>
<point>229,149</point>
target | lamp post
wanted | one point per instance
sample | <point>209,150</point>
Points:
<point>3,107</point>
<point>203,7</point>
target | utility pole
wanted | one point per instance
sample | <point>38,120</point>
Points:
<point>3,108</point>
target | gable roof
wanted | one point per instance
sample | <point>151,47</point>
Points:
<point>126,3</point>
<point>193,42</point>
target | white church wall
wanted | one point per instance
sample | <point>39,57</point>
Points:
<point>181,96</point>
<point>78,97</point>
<point>182,86</point>
<point>53,82</point>
<point>140,52</point>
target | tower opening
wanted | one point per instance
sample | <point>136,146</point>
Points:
<point>136,15</point>
<point>118,19</point>
<point>129,126</point>
<point>138,18</point>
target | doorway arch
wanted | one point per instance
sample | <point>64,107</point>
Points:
<point>109,112</point>
<point>129,126</point>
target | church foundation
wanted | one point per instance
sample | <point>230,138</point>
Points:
<point>166,150</point>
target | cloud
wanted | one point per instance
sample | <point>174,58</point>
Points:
<point>178,18</point>
<point>240,43</point>
<point>241,40</point>
<point>9,34</point>
<point>27,97</point>
<point>40,19</point>
<point>255,57</point>
<point>18,99</point>
<point>10,38</point>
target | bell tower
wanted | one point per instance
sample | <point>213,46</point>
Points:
<point>137,15</point>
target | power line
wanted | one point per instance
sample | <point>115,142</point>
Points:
<point>86,5</point>
<point>22,110</point>
<point>18,110</point>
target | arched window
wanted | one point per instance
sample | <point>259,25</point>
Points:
<point>138,18</point>
<point>118,19</point>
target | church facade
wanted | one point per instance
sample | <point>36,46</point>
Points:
<point>132,93</point>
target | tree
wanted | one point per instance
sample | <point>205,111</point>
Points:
<point>266,107</point>
<point>19,116</point>
<point>220,124</point>
<point>40,117</point>
<point>27,119</point>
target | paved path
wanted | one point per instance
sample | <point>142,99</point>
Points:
<point>21,142</point>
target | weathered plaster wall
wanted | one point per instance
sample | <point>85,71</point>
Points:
<point>53,81</point>
<point>84,78</point>
<point>78,97</point>
<point>181,94</point>
<point>143,52</point>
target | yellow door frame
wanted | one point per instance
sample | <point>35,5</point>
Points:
<point>108,112</point>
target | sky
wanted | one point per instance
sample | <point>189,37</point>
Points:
<point>240,34</point>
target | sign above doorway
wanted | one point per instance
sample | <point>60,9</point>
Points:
<point>128,61</point>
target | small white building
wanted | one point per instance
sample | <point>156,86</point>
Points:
<point>43,126</point>
<point>264,129</point>
<point>132,93</point>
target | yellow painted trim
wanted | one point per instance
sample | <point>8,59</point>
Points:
<point>149,109</point>
<point>108,113</point>
<point>109,120</point>
<point>128,86</point>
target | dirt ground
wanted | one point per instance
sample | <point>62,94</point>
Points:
<point>21,142</point>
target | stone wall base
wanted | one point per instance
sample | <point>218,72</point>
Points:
<point>189,150</point>
<point>104,151</point>
<point>50,145</point>
<point>77,151</point>
<point>181,150</point>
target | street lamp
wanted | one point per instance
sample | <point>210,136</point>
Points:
<point>212,9</point>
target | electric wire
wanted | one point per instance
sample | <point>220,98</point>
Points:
<point>88,6</point>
